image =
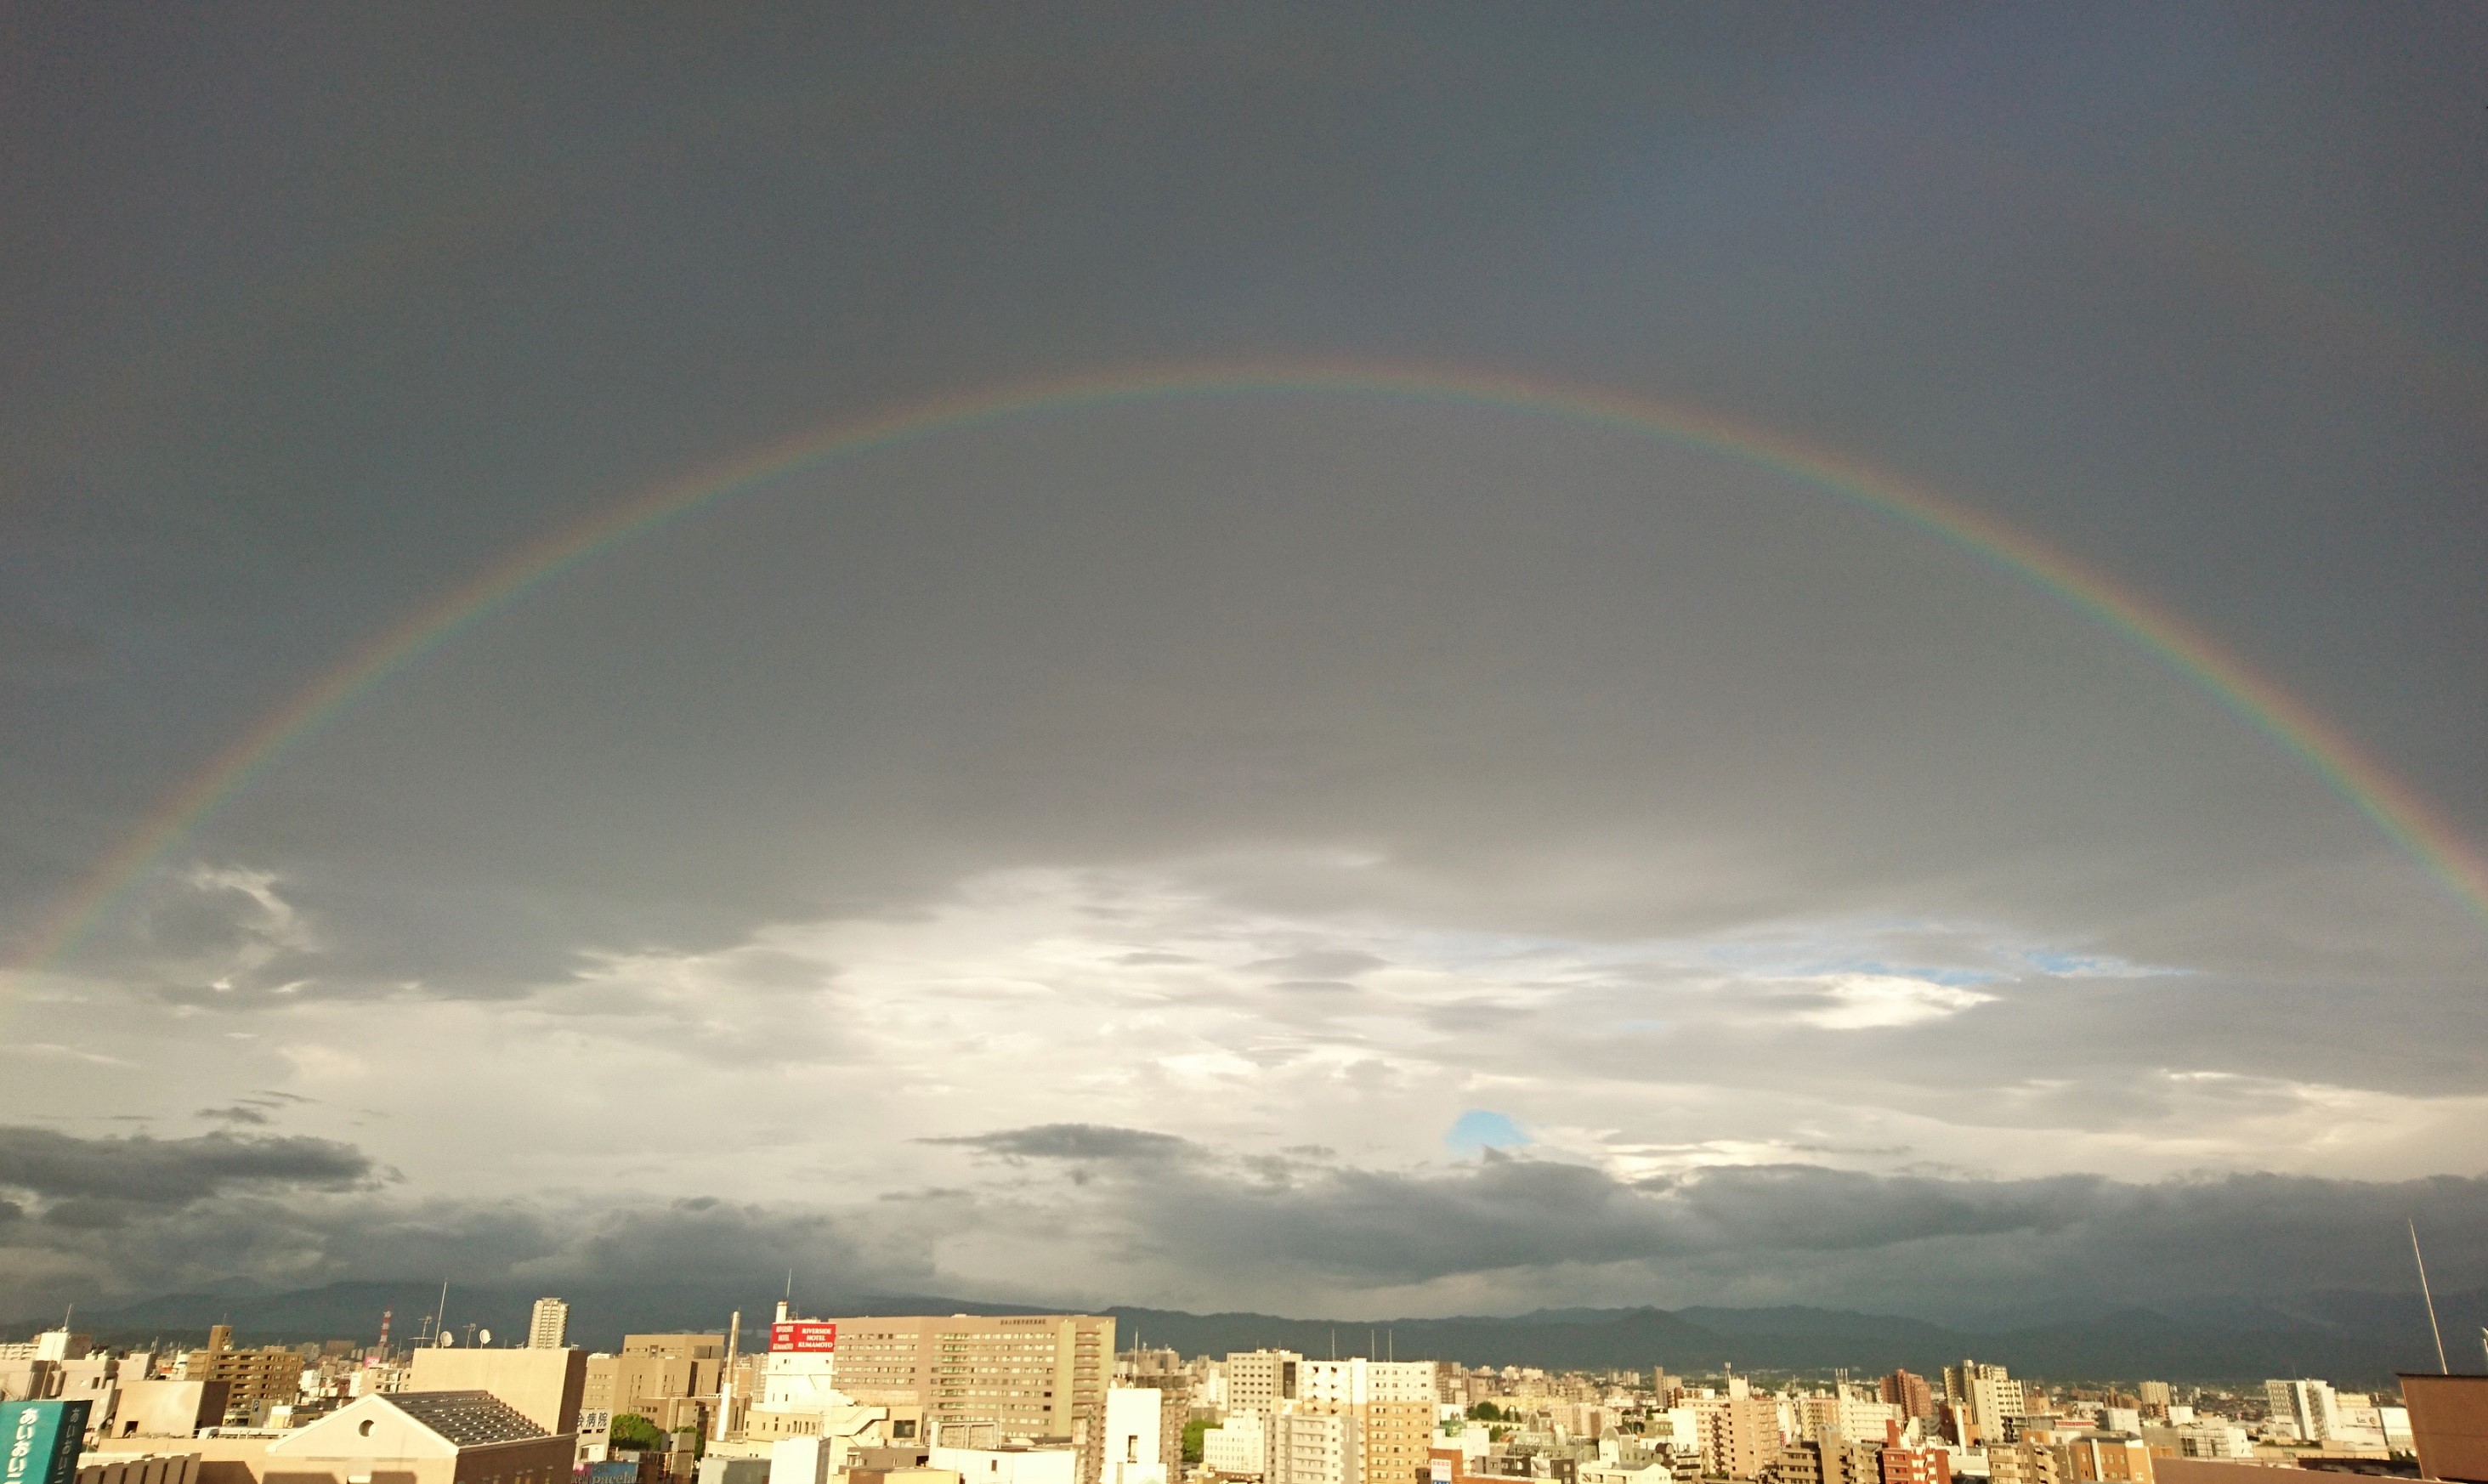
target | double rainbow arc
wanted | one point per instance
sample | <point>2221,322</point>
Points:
<point>2393,806</point>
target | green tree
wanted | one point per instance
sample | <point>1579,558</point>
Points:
<point>1193,1432</point>
<point>633,1431</point>
<point>1485,1412</point>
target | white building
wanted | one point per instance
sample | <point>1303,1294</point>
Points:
<point>1356,1382</point>
<point>1238,1447</point>
<point>548,1327</point>
<point>1309,1448</point>
<point>2305,1408</point>
<point>1133,1420</point>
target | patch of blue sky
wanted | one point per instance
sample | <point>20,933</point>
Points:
<point>2085,965</point>
<point>1481,1129</point>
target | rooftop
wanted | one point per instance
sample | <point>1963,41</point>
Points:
<point>468,1418</point>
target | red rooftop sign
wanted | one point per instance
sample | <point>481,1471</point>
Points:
<point>803,1338</point>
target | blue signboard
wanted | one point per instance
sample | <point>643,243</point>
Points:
<point>41,1439</point>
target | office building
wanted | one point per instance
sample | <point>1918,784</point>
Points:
<point>548,1327</point>
<point>1009,1378</point>
<point>1259,1380</point>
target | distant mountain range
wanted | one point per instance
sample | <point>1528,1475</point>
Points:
<point>2352,1337</point>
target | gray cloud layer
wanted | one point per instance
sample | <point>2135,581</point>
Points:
<point>1148,1213</point>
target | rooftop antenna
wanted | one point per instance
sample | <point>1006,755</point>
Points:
<point>441,1321</point>
<point>2442,1368</point>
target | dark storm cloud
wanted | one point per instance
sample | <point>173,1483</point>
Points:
<point>1504,1229</point>
<point>141,1171</point>
<point>1077,1142</point>
<point>237,1113</point>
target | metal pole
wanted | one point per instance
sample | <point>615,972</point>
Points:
<point>2442,1368</point>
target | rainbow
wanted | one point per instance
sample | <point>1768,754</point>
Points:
<point>2394,809</point>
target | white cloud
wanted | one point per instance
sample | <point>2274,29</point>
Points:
<point>1880,1001</point>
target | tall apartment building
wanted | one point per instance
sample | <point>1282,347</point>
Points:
<point>2156,1397</point>
<point>1845,1415</point>
<point>1259,1380</point>
<point>1002,1376</point>
<point>1986,1398</point>
<point>2305,1405</point>
<point>255,1380</point>
<point>548,1327</point>
<point>1741,1436</point>
<point>1392,1403</point>
<point>1315,1447</point>
<point>1911,1393</point>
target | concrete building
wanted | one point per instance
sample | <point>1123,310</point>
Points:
<point>1007,1464</point>
<point>1392,1403</point>
<point>1909,1392</point>
<point>2305,1408</point>
<point>255,1380</point>
<point>1025,1377</point>
<point>1901,1463</point>
<point>1259,1380</point>
<point>548,1327</point>
<point>1985,1400</point>
<point>167,1409</point>
<point>547,1386</point>
<point>432,1438</point>
<point>1238,1447</point>
<point>2107,1458</point>
<point>1315,1447</point>
<point>1136,1436</point>
<point>1739,1435</point>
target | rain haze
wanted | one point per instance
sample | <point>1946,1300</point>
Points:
<point>1337,661</point>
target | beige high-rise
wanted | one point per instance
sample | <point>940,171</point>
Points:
<point>978,1377</point>
<point>1392,1403</point>
<point>548,1327</point>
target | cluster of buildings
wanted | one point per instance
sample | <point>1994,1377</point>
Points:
<point>1050,1399</point>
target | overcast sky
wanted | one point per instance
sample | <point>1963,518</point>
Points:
<point>1314,850</point>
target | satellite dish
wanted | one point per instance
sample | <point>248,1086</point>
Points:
<point>447,1339</point>
<point>483,1336</point>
